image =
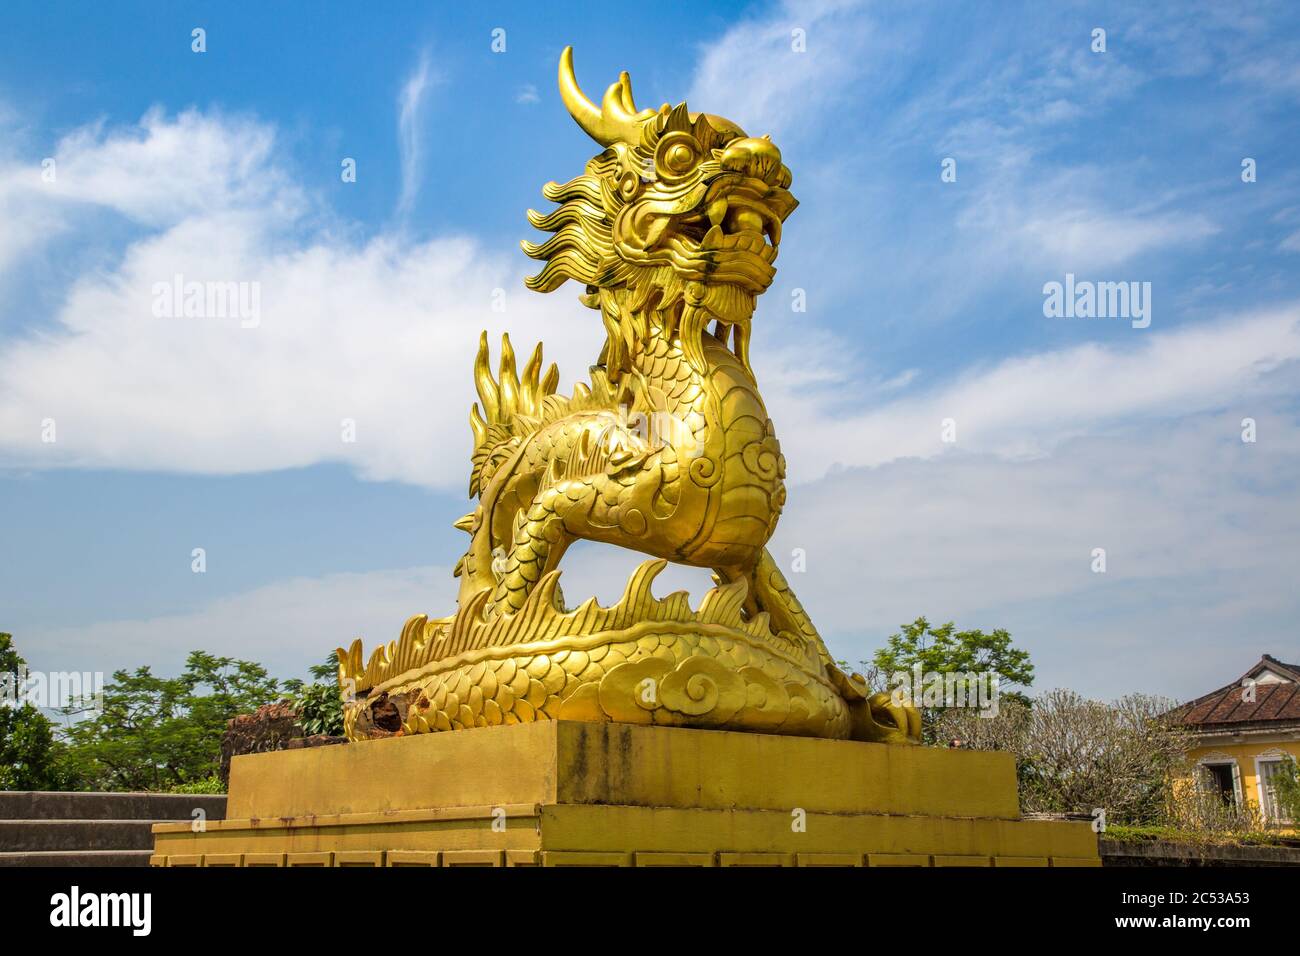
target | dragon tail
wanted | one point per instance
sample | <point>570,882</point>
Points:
<point>874,716</point>
<point>773,594</point>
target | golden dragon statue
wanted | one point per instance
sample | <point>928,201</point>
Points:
<point>672,230</point>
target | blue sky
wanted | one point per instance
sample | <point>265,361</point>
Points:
<point>925,302</point>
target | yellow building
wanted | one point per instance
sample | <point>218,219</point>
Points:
<point>1244,731</point>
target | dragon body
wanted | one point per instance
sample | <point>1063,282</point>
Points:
<point>673,231</point>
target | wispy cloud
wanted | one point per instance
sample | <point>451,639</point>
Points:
<point>1028,405</point>
<point>1024,113</point>
<point>777,72</point>
<point>1058,230</point>
<point>410,132</point>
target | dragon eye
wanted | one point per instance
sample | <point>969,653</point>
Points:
<point>677,155</point>
<point>679,158</point>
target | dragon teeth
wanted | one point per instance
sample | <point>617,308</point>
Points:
<point>656,230</point>
<point>747,241</point>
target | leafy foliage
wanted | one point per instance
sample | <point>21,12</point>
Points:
<point>213,784</point>
<point>945,650</point>
<point>157,733</point>
<point>1076,755</point>
<point>152,733</point>
<point>1286,785</point>
<point>319,704</point>
<point>31,757</point>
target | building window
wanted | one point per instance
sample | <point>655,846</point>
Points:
<point>1269,772</point>
<point>1220,779</point>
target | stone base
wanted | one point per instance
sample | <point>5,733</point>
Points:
<point>560,793</point>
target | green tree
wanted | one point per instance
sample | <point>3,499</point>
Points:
<point>945,650</point>
<point>31,757</point>
<point>320,703</point>
<point>157,733</point>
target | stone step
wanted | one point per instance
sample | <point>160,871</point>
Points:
<point>76,858</point>
<point>58,805</point>
<point>56,835</point>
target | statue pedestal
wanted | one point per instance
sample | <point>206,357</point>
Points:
<point>557,793</point>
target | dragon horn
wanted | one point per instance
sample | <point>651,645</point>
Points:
<point>615,121</point>
<point>625,92</point>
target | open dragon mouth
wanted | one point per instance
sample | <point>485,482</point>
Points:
<point>729,235</point>
<point>736,231</point>
<point>719,249</point>
<point>746,216</point>
<point>736,220</point>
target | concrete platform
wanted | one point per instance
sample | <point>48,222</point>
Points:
<point>577,793</point>
<point>55,828</point>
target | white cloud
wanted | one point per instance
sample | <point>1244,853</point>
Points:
<point>159,171</point>
<point>1089,239</point>
<point>155,174</point>
<point>1078,219</point>
<point>1027,405</point>
<point>754,75</point>
<point>1200,531</point>
<point>410,133</point>
<point>382,332</point>
<point>1270,74</point>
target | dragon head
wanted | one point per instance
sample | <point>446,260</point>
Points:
<point>679,216</point>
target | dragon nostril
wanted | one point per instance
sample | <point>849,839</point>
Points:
<point>759,158</point>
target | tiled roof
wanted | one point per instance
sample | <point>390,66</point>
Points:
<point>1278,702</point>
<point>1293,670</point>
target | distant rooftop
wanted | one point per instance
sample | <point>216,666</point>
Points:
<point>1274,699</point>
<point>1293,668</point>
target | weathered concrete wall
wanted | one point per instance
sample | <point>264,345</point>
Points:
<point>1165,853</point>
<point>45,828</point>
